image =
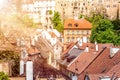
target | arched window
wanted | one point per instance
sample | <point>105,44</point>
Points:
<point>69,25</point>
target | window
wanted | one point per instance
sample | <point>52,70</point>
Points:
<point>64,4</point>
<point>83,4</point>
<point>114,5</point>
<point>108,0</point>
<point>68,39</point>
<point>69,25</point>
<point>88,39</point>
<point>108,6</point>
<point>82,8</point>
<point>86,77</point>
<point>87,32</point>
<point>100,1</point>
<point>82,31</point>
<point>75,4</point>
<point>56,47</point>
<point>78,32</point>
<point>76,24</point>
<point>72,32</point>
<point>73,39</point>
<point>72,4</point>
<point>68,32</point>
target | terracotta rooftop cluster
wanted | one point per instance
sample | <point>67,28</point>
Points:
<point>93,60</point>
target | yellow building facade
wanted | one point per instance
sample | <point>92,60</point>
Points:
<point>75,30</point>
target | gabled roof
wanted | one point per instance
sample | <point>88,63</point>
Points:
<point>114,72</point>
<point>92,62</point>
<point>77,24</point>
<point>102,64</point>
<point>68,48</point>
<point>85,59</point>
<point>116,68</point>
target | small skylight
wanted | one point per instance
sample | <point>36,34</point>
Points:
<point>76,24</point>
<point>69,25</point>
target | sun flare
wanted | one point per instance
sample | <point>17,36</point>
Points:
<point>2,3</point>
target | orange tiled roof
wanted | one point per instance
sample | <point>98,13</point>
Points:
<point>103,63</point>
<point>68,48</point>
<point>83,61</point>
<point>33,50</point>
<point>77,24</point>
<point>115,70</point>
<point>85,58</point>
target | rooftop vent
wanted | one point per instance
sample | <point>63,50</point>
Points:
<point>87,49</point>
<point>113,51</point>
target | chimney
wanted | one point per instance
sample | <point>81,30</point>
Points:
<point>96,46</point>
<point>21,67</point>
<point>80,41</point>
<point>84,39</point>
<point>29,70</point>
<point>87,49</point>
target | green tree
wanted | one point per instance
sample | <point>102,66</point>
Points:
<point>3,76</point>
<point>8,55</point>
<point>102,32</point>
<point>50,12</point>
<point>57,23</point>
<point>116,24</point>
<point>81,16</point>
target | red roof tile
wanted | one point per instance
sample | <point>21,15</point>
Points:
<point>115,71</point>
<point>102,64</point>
<point>92,61</point>
<point>81,24</point>
<point>83,60</point>
<point>68,48</point>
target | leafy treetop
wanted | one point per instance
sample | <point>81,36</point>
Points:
<point>57,23</point>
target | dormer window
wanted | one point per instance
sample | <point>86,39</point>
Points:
<point>69,25</point>
<point>76,24</point>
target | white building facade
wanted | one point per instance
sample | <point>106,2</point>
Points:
<point>40,10</point>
